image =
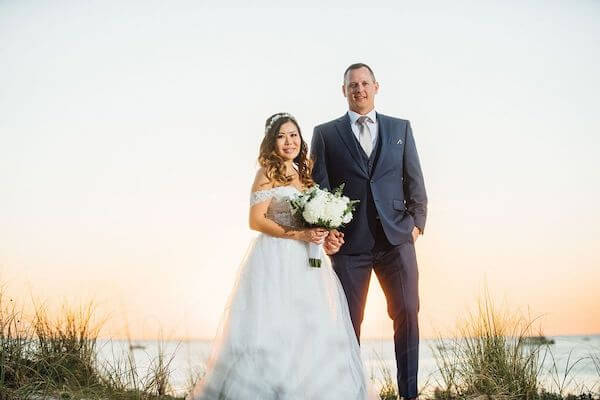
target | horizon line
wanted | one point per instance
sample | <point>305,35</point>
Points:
<point>205,339</point>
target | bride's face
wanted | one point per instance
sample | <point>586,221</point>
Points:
<point>287,141</point>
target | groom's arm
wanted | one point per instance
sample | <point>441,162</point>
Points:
<point>317,150</point>
<point>414,185</point>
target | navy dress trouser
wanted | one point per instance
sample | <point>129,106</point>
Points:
<point>397,272</point>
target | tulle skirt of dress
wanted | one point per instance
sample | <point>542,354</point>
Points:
<point>286,332</point>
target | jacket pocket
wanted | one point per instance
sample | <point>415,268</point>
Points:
<point>398,205</point>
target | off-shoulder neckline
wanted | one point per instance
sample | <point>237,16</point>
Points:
<point>277,187</point>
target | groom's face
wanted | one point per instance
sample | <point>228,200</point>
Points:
<point>360,90</point>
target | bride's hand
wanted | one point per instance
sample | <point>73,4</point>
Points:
<point>313,235</point>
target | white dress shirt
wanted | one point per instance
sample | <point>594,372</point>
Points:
<point>373,126</point>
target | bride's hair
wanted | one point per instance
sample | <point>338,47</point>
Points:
<point>273,163</point>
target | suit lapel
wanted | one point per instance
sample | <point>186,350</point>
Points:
<point>383,134</point>
<point>345,132</point>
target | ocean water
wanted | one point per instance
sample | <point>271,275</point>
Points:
<point>188,357</point>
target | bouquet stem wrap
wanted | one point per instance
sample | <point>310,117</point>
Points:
<point>314,255</point>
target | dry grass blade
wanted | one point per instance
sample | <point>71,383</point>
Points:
<point>489,356</point>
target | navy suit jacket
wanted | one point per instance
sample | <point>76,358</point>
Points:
<point>391,190</point>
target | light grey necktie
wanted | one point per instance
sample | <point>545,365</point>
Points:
<point>364,134</point>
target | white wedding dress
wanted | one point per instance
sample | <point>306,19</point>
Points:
<point>286,332</point>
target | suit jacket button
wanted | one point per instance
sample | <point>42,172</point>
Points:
<point>372,181</point>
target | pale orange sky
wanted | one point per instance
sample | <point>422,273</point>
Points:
<point>129,138</point>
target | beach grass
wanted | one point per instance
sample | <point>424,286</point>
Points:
<point>388,390</point>
<point>57,358</point>
<point>495,353</point>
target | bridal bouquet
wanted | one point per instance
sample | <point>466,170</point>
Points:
<point>322,209</point>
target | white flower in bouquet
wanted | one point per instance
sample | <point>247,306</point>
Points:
<point>334,211</point>
<point>314,208</point>
<point>347,218</point>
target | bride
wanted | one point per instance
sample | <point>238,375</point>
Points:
<point>286,332</point>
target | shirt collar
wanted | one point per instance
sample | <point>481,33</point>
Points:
<point>354,116</point>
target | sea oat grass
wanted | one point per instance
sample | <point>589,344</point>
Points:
<point>495,354</point>
<point>488,356</point>
<point>388,390</point>
<point>46,358</point>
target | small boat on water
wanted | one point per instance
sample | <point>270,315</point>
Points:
<point>538,340</point>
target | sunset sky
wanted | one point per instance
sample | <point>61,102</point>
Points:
<point>129,133</point>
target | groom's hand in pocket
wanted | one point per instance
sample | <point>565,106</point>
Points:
<point>415,233</point>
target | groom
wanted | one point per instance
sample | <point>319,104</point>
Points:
<point>376,158</point>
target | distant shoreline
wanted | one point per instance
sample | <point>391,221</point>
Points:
<point>370,339</point>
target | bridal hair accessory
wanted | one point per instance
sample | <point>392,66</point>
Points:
<point>275,118</point>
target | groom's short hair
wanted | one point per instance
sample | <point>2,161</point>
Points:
<point>357,66</point>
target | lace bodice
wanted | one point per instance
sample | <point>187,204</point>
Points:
<point>280,209</point>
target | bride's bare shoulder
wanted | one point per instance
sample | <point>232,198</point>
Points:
<point>261,182</point>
